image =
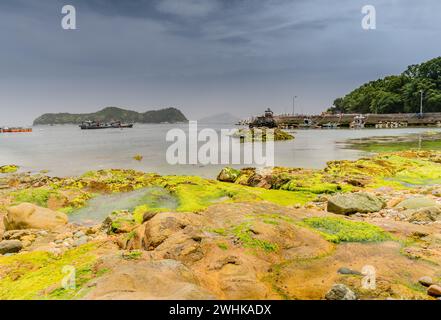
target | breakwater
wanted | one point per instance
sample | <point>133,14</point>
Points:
<point>356,120</point>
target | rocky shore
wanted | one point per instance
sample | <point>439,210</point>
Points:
<point>365,229</point>
<point>262,134</point>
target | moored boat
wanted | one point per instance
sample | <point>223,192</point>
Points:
<point>330,125</point>
<point>118,124</point>
<point>91,125</point>
<point>15,130</point>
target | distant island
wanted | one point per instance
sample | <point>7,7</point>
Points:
<point>397,93</point>
<point>221,118</point>
<point>170,115</point>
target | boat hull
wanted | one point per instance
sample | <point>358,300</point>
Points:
<point>15,130</point>
<point>93,128</point>
<point>115,125</point>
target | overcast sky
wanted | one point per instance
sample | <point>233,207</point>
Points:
<point>203,56</point>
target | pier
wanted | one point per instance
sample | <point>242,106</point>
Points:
<point>325,120</point>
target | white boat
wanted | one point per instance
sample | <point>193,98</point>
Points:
<point>358,122</point>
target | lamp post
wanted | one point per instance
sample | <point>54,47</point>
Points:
<point>293,104</point>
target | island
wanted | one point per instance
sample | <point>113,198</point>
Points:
<point>109,114</point>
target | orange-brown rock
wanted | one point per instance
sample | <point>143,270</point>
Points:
<point>30,216</point>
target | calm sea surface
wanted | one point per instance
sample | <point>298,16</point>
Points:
<point>67,150</point>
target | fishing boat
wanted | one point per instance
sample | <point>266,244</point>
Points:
<point>14,130</point>
<point>118,124</point>
<point>330,125</point>
<point>307,123</point>
<point>94,125</point>
<point>358,122</point>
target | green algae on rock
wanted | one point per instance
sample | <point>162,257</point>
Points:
<point>222,231</point>
<point>52,197</point>
<point>243,232</point>
<point>342,230</point>
<point>38,274</point>
<point>399,170</point>
<point>174,193</point>
<point>228,174</point>
<point>9,168</point>
<point>262,135</point>
<point>119,222</point>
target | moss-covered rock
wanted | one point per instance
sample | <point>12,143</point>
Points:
<point>341,230</point>
<point>38,274</point>
<point>119,222</point>
<point>9,168</point>
<point>354,202</point>
<point>37,196</point>
<point>399,170</point>
<point>228,175</point>
<point>262,135</point>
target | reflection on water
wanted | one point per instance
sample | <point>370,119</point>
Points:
<point>430,140</point>
<point>67,150</point>
<point>97,209</point>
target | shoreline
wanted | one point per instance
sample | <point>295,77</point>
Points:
<point>267,224</point>
<point>87,152</point>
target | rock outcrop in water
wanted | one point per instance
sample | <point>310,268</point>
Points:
<point>169,115</point>
<point>262,135</point>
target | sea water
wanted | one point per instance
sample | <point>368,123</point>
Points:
<point>66,150</point>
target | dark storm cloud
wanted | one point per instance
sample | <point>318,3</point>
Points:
<point>202,55</point>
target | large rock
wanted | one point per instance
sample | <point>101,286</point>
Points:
<point>10,246</point>
<point>417,203</point>
<point>434,290</point>
<point>260,181</point>
<point>155,280</point>
<point>2,226</point>
<point>340,292</point>
<point>119,222</point>
<point>425,281</point>
<point>167,226</point>
<point>30,216</point>
<point>424,215</point>
<point>350,203</point>
<point>228,175</point>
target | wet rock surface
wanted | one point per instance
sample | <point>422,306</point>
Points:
<point>340,292</point>
<point>225,241</point>
<point>156,280</point>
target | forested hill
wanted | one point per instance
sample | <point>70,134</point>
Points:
<point>171,115</point>
<point>397,93</point>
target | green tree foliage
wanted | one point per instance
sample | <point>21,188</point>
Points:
<point>398,93</point>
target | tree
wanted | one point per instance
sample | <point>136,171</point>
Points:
<point>397,93</point>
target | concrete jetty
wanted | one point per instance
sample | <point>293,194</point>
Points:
<point>396,120</point>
